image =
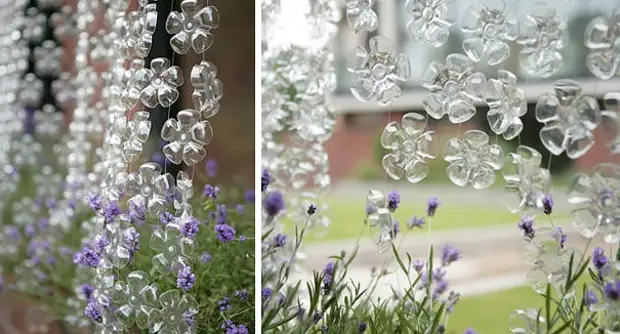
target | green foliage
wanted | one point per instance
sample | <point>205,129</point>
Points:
<point>230,269</point>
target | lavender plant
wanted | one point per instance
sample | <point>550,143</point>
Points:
<point>332,302</point>
<point>189,269</point>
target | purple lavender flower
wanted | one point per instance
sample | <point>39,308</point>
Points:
<point>224,304</point>
<point>449,254</point>
<point>453,298</point>
<point>243,295</point>
<point>311,209</point>
<point>612,290</point>
<point>470,331</point>
<point>221,214</point>
<point>188,317</point>
<point>561,236</point>
<point>100,243</point>
<point>590,298</point>
<point>224,232</point>
<point>242,238</point>
<point>395,228</point>
<point>317,316</point>
<point>186,278</point>
<point>12,232</point>
<point>211,191</point>
<point>417,265</point>
<point>93,312</point>
<point>328,275</point>
<point>95,202</point>
<point>279,240</point>
<point>166,218</point>
<point>29,231</point>
<point>205,257</point>
<point>393,198</point>
<point>432,205</point>
<point>50,203</point>
<point>526,224</point>
<point>361,328</point>
<point>231,328</point>
<point>265,180</point>
<point>249,196</point>
<point>89,258</point>
<point>266,294</point>
<point>415,222</point>
<point>64,250</point>
<point>111,211</point>
<point>137,213</point>
<point>87,291</point>
<point>274,203</point>
<point>440,288</point>
<point>547,204</point>
<point>190,228</point>
<point>599,260</point>
<point>44,223</point>
<point>240,208</point>
<point>211,165</point>
<point>132,239</point>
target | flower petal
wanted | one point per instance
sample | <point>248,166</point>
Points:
<point>474,48</point>
<point>174,22</point>
<point>158,240</point>
<point>458,173</point>
<point>392,136</point>
<point>201,40</point>
<point>394,164</point>
<point>416,170</point>
<point>553,138</point>
<point>433,104</point>
<point>170,299</point>
<point>476,139</point>
<point>547,108</point>
<point>482,178</point>
<point>578,146</point>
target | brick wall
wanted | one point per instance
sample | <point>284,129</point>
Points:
<point>354,143</point>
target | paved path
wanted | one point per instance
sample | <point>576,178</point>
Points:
<point>492,258</point>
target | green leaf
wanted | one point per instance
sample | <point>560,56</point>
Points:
<point>548,306</point>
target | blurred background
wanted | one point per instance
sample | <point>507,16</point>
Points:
<point>492,275</point>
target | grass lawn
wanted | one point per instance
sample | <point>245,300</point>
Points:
<point>347,218</point>
<point>488,314</point>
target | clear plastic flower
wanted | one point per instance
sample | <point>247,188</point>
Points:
<point>48,121</point>
<point>507,103</point>
<point>135,299</point>
<point>174,310</point>
<point>159,83</point>
<point>207,89</point>
<point>31,90</point>
<point>47,182</point>
<point>184,191</point>
<point>173,250</point>
<point>611,120</point>
<point>378,72</point>
<point>550,258</point>
<point>527,321</point>
<point>101,47</point>
<point>410,146</point>
<point>488,29</point>
<point>34,25</point>
<point>526,180</point>
<point>136,31</point>
<point>595,198</point>
<point>454,88</point>
<point>602,37</point>
<point>25,211</point>
<point>26,151</point>
<point>131,135</point>
<point>361,16</point>
<point>430,20</point>
<point>148,187</point>
<point>187,137</point>
<point>380,218</point>
<point>131,83</point>
<point>192,26</point>
<point>312,119</point>
<point>47,59</point>
<point>542,35</point>
<point>569,119</point>
<point>473,160</point>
